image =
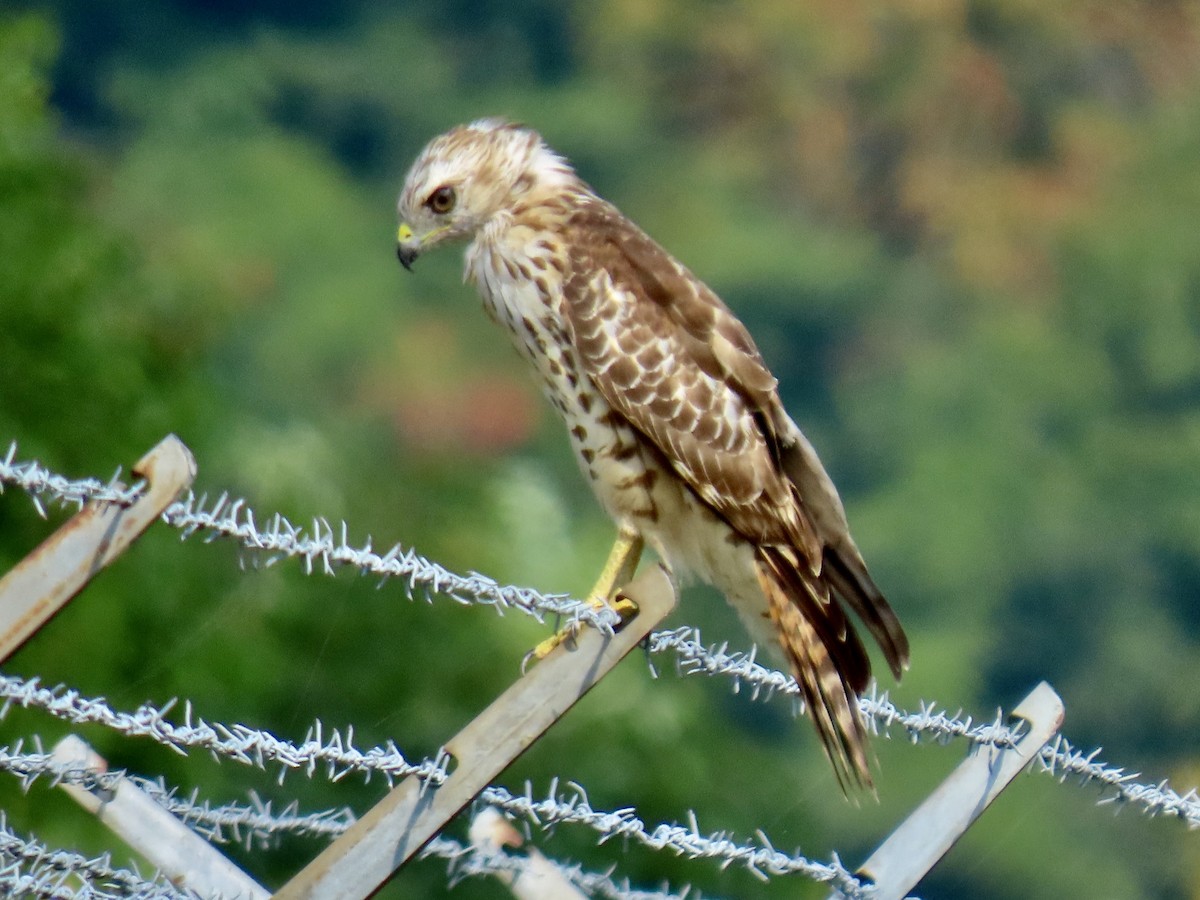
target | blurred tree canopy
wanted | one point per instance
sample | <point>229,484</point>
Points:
<point>962,233</point>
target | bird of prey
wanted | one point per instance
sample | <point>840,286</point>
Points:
<point>672,413</point>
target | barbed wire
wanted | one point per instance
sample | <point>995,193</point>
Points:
<point>1060,759</point>
<point>32,766</point>
<point>761,859</point>
<point>256,826</point>
<point>34,870</point>
<point>339,757</point>
<point>242,743</point>
<point>237,742</point>
<point>692,657</point>
<point>253,825</point>
<point>38,481</point>
<point>319,547</point>
<point>323,549</point>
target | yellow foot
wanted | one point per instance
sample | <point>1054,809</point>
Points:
<point>618,570</point>
<point>621,605</point>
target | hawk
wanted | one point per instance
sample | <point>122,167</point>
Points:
<point>672,413</point>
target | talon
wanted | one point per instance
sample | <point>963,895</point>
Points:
<point>544,648</point>
<point>622,562</point>
<point>526,659</point>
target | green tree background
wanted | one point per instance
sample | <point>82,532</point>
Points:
<point>964,234</point>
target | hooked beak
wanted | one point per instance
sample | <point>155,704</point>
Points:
<point>408,248</point>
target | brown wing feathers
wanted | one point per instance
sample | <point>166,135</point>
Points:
<point>701,393</point>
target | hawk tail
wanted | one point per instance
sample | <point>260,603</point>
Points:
<point>849,577</point>
<point>826,656</point>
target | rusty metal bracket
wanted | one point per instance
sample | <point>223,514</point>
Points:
<point>46,580</point>
<point>936,825</point>
<point>362,860</point>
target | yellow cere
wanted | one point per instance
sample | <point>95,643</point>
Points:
<point>404,232</point>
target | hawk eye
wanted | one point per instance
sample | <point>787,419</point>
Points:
<point>442,200</point>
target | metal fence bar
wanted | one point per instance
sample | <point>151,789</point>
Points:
<point>42,583</point>
<point>187,859</point>
<point>945,815</point>
<point>375,847</point>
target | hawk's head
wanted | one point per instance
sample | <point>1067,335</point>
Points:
<point>465,177</point>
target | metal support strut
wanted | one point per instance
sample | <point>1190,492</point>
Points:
<point>46,580</point>
<point>362,860</point>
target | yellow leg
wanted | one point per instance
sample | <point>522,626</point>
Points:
<point>617,572</point>
<point>618,569</point>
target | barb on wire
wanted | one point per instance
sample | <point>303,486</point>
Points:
<point>320,547</point>
<point>41,483</point>
<point>338,756</point>
<point>761,859</point>
<point>29,767</point>
<point>324,549</point>
<point>255,824</point>
<point>33,869</point>
<point>249,746</point>
<point>692,657</point>
<point>1063,761</point>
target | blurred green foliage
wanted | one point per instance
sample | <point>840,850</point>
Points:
<point>963,233</point>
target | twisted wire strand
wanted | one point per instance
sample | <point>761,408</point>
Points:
<point>569,806</point>
<point>31,869</point>
<point>41,483</point>
<point>319,547</point>
<point>256,825</point>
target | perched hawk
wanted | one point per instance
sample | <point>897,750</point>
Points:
<point>672,413</point>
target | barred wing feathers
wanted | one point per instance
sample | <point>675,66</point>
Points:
<point>674,361</point>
